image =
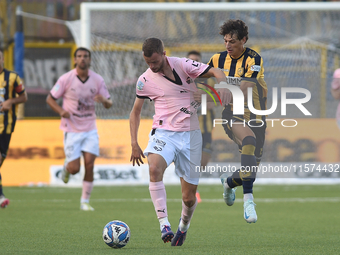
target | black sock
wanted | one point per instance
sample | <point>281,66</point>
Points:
<point>234,180</point>
<point>248,164</point>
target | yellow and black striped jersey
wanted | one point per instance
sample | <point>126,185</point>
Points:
<point>206,121</point>
<point>249,67</point>
<point>10,86</point>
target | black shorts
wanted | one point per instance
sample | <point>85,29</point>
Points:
<point>206,124</point>
<point>4,144</point>
<point>206,142</point>
<point>259,132</point>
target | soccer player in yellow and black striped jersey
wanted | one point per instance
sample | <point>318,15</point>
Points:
<point>243,67</point>
<point>12,93</point>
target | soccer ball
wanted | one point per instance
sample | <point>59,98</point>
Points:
<point>116,234</point>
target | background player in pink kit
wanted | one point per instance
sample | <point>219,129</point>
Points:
<point>80,88</point>
<point>336,92</point>
<point>175,135</point>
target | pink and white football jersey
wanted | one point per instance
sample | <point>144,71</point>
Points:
<point>78,100</point>
<point>175,108</point>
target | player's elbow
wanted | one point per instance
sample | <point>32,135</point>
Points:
<point>49,98</point>
<point>134,114</point>
<point>25,97</point>
<point>218,74</point>
<point>336,94</point>
<point>108,104</point>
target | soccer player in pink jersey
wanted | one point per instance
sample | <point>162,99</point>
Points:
<point>175,135</point>
<point>336,92</point>
<point>80,88</point>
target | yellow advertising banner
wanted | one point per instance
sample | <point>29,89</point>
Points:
<point>38,144</point>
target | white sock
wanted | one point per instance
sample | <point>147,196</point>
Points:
<point>182,227</point>
<point>226,184</point>
<point>248,196</point>
<point>164,222</point>
<point>82,200</point>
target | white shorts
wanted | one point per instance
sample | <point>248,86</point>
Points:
<point>75,143</point>
<point>182,148</point>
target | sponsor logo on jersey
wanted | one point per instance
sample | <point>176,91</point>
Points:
<point>224,70</point>
<point>140,85</point>
<point>186,111</point>
<point>234,80</point>
<point>255,68</point>
<point>56,88</point>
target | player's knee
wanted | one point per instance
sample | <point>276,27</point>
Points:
<point>156,173</point>
<point>2,158</point>
<point>248,145</point>
<point>73,169</point>
<point>189,201</point>
<point>89,166</point>
<point>249,140</point>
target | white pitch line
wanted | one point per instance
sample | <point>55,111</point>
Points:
<point>260,200</point>
<point>218,200</point>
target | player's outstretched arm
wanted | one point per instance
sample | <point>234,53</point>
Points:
<point>224,94</point>
<point>217,73</point>
<point>57,108</point>
<point>137,153</point>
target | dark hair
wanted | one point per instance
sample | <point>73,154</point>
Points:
<point>194,52</point>
<point>84,49</point>
<point>232,27</point>
<point>151,46</point>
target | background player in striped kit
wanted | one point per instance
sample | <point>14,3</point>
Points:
<point>12,93</point>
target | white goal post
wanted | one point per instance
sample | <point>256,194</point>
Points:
<point>86,9</point>
<point>299,42</point>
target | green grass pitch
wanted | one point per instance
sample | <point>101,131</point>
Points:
<point>292,219</point>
